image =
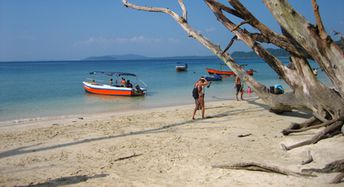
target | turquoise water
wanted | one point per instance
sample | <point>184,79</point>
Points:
<point>40,89</point>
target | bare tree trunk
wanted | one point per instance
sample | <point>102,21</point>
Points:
<point>301,39</point>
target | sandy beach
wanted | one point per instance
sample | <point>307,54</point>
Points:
<point>161,147</point>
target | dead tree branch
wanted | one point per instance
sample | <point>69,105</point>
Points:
<point>240,24</point>
<point>335,166</point>
<point>182,6</point>
<point>309,158</point>
<point>320,25</point>
<point>203,40</point>
<point>322,134</point>
<point>252,166</point>
<point>324,51</point>
<point>337,179</point>
<point>127,157</point>
<point>229,44</point>
<point>294,128</point>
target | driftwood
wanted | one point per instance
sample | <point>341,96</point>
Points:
<point>244,135</point>
<point>306,125</point>
<point>333,128</point>
<point>252,166</point>
<point>335,166</point>
<point>337,179</point>
<point>127,157</point>
<point>309,158</point>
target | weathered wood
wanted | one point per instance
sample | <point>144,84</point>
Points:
<point>127,157</point>
<point>244,135</point>
<point>309,158</point>
<point>306,126</point>
<point>240,24</point>
<point>182,6</point>
<point>331,128</point>
<point>335,166</point>
<point>324,51</point>
<point>229,44</point>
<point>252,166</point>
<point>337,179</point>
<point>320,25</point>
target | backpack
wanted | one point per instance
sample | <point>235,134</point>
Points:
<point>195,93</point>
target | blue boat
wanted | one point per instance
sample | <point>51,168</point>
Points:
<point>214,77</point>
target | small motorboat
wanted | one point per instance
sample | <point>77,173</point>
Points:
<point>181,67</point>
<point>114,83</point>
<point>214,77</point>
<point>228,73</point>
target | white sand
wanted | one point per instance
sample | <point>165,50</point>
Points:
<point>167,148</point>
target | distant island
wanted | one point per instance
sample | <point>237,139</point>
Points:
<point>237,54</point>
<point>251,54</point>
<point>116,57</point>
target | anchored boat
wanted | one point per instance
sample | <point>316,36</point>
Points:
<point>228,73</point>
<point>181,67</point>
<point>114,83</point>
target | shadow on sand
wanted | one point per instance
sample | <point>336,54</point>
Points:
<point>294,113</point>
<point>67,180</point>
<point>24,149</point>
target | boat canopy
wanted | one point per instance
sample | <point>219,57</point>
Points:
<point>112,73</point>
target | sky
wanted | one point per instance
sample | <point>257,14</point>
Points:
<point>77,29</point>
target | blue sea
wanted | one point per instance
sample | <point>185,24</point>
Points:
<point>54,88</point>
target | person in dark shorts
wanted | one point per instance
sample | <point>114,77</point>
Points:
<point>199,101</point>
<point>239,88</point>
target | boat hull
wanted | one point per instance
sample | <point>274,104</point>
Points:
<point>181,68</point>
<point>103,89</point>
<point>228,73</point>
<point>214,77</point>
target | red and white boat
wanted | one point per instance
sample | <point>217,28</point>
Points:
<point>228,73</point>
<point>115,83</point>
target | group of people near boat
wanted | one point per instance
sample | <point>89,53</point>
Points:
<point>124,83</point>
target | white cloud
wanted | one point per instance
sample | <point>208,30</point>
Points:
<point>173,40</point>
<point>210,29</point>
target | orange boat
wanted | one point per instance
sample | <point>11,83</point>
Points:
<point>228,73</point>
<point>115,86</point>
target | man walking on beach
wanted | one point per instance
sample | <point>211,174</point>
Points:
<point>239,88</point>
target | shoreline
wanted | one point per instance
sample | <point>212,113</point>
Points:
<point>19,121</point>
<point>162,147</point>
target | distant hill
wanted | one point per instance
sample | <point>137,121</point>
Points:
<point>185,57</point>
<point>141,57</point>
<point>116,57</point>
<point>237,54</point>
<point>251,54</point>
